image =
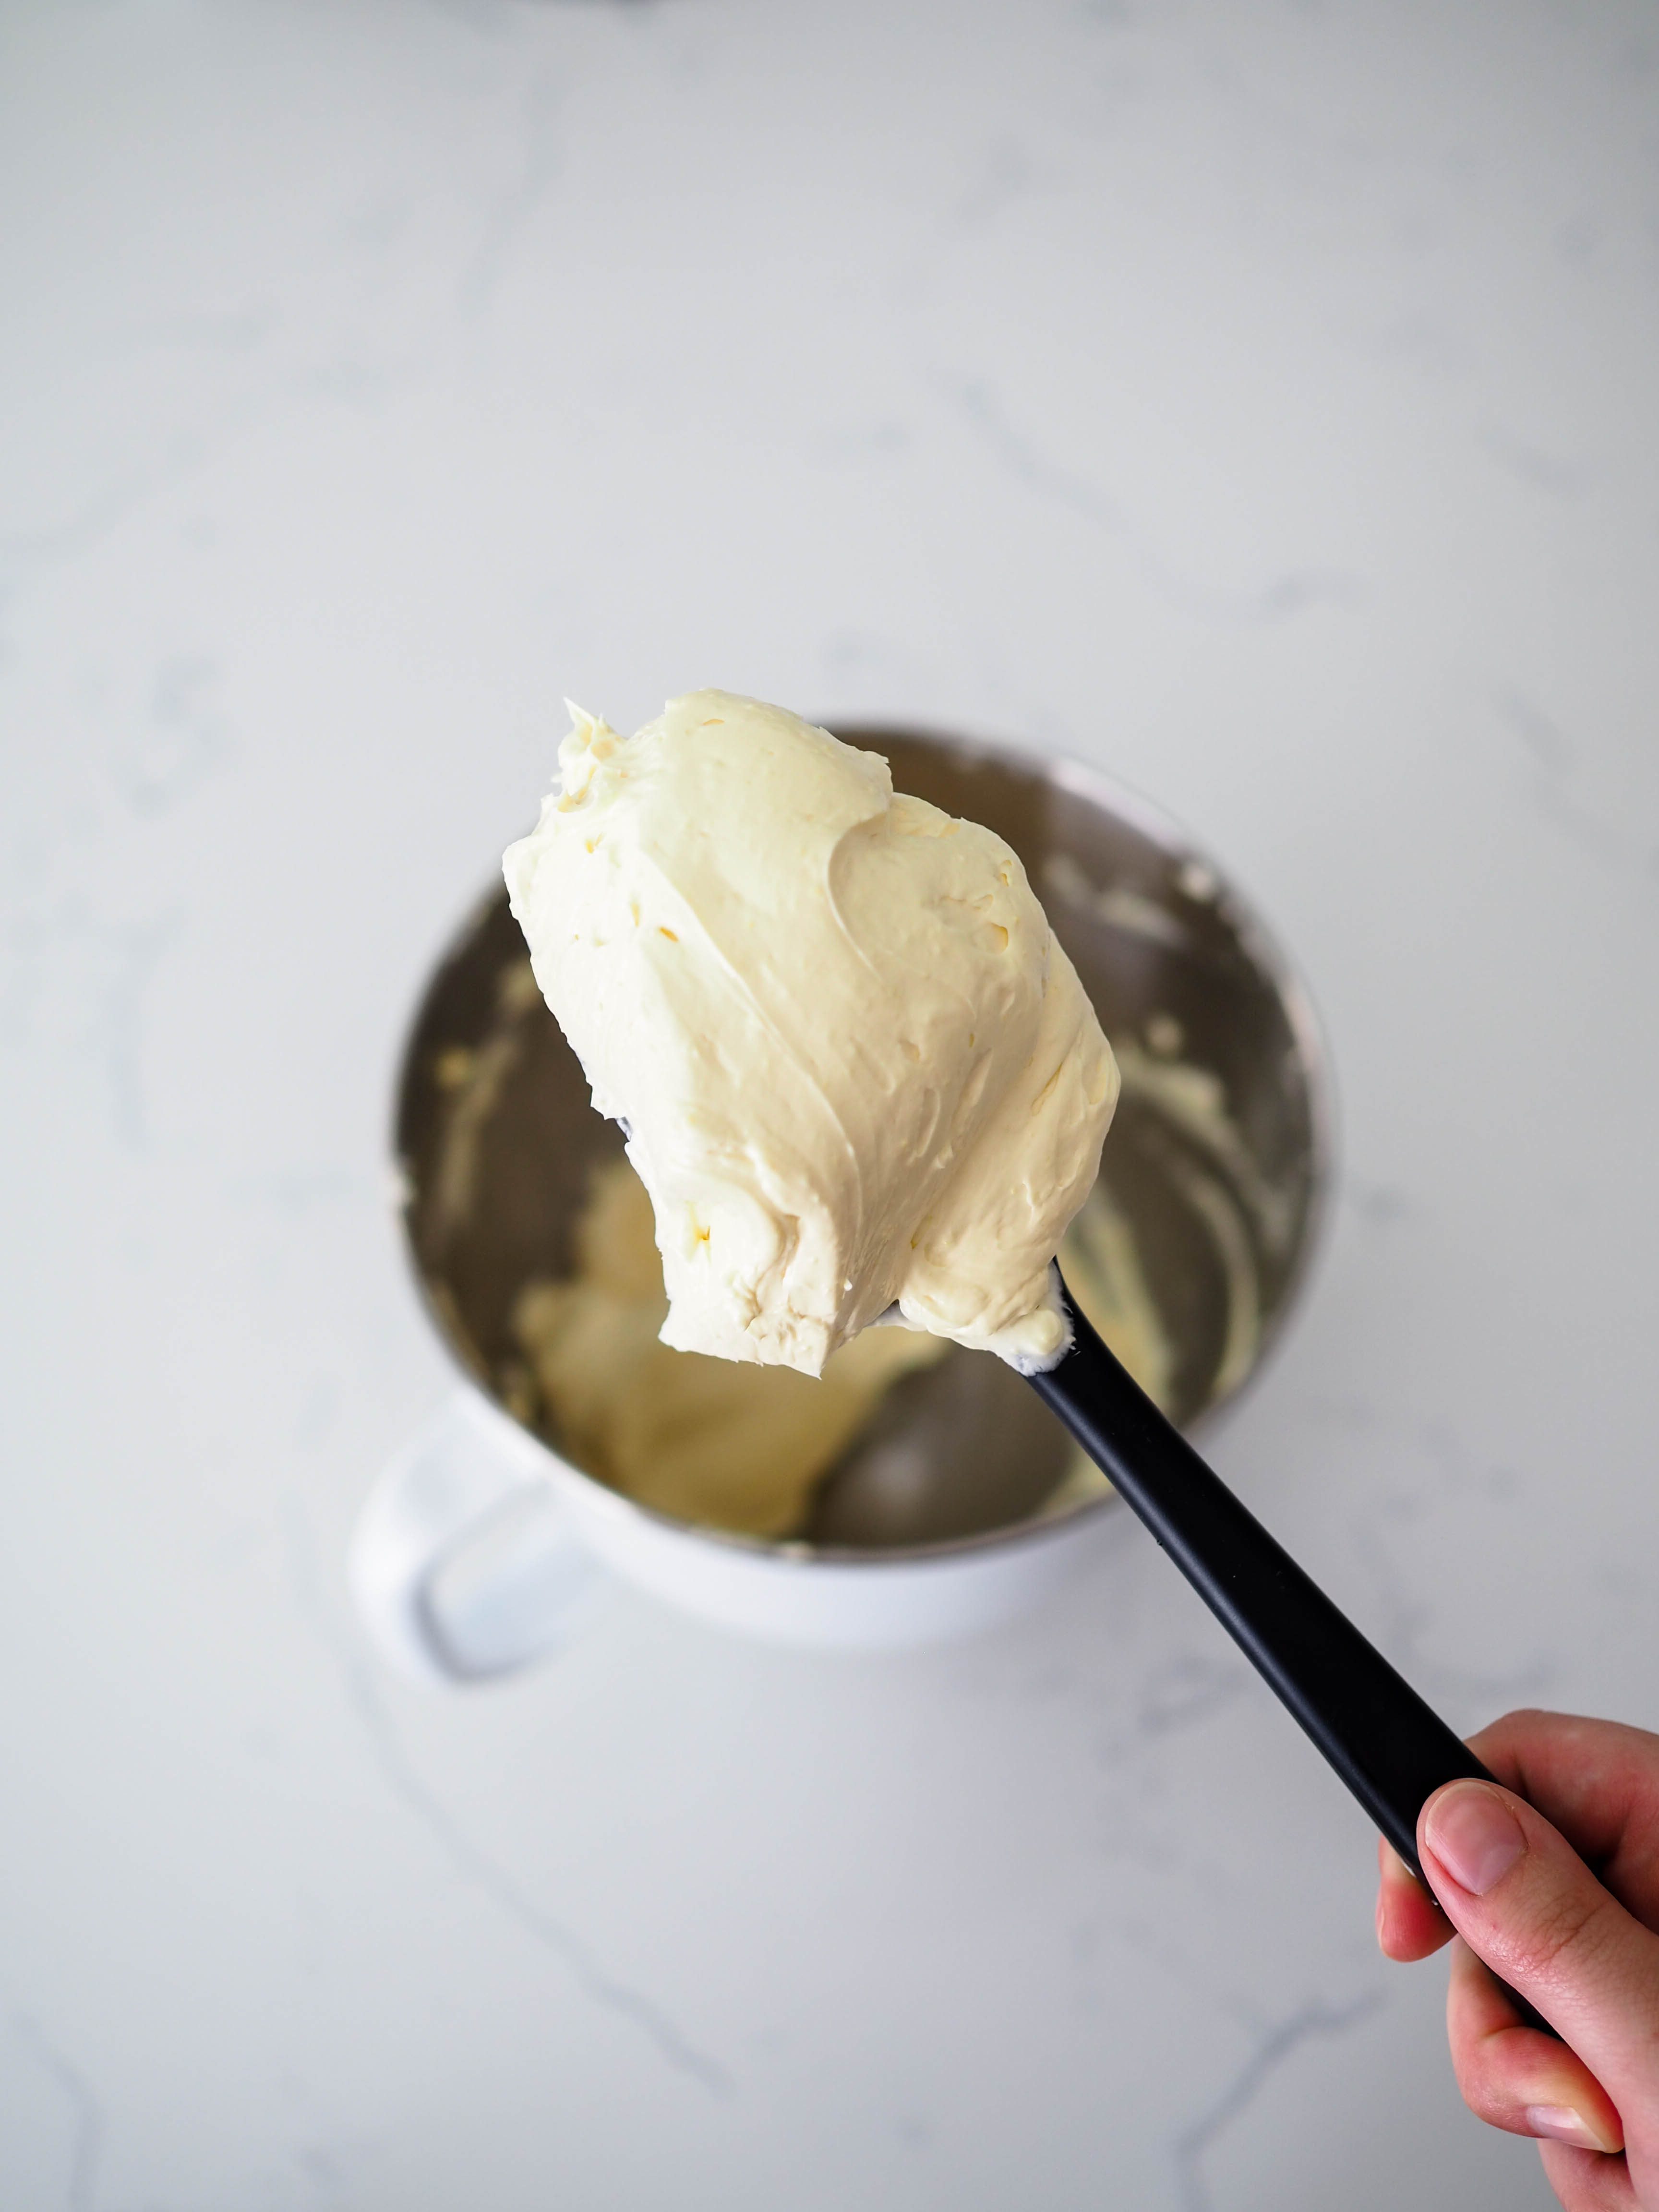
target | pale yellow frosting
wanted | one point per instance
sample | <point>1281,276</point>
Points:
<point>699,1439</point>
<point>857,1071</point>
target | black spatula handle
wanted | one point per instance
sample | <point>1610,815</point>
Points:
<point>1392,1749</point>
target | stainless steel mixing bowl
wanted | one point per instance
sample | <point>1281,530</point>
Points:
<point>1218,1160</point>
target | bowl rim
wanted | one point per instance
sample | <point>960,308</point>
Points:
<point>1161,828</point>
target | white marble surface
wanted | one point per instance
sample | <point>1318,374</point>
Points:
<point>1258,400</point>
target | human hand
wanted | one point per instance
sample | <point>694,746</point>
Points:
<point>1519,1894</point>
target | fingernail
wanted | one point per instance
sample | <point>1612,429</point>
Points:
<point>1563,2124</point>
<point>1474,1835</point>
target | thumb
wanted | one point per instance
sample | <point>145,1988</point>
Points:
<point>1524,1901</point>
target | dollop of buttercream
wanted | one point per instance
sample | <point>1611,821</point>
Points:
<point>859,1077</point>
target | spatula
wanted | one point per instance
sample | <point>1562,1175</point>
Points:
<point>1390,1747</point>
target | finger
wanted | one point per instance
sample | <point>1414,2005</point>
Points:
<point>1523,1899</point>
<point>1409,1923</point>
<point>1517,2078</point>
<point>1586,2182</point>
<point>1595,1781</point>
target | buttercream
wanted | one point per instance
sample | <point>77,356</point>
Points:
<point>859,1076</point>
<point>699,1439</point>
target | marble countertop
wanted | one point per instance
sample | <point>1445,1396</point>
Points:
<point>1258,401</point>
